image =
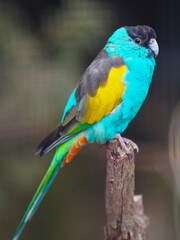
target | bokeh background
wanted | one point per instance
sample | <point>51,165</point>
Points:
<point>45,46</point>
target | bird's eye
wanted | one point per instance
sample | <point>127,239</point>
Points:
<point>138,40</point>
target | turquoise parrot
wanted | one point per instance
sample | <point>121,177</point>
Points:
<point>106,99</point>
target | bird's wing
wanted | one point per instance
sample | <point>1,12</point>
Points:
<point>99,91</point>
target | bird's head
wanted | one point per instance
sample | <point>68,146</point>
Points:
<point>144,36</point>
<point>134,40</point>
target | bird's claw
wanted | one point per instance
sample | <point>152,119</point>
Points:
<point>133,144</point>
<point>124,142</point>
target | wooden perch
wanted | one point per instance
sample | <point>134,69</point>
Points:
<point>125,218</point>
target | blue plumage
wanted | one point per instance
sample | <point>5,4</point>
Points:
<point>106,99</point>
<point>140,67</point>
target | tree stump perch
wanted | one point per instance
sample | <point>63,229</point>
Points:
<point>125,218</point>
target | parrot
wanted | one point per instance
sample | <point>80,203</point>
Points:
<point>107,97</point>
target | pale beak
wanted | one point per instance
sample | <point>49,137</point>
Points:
<point>153,46</point>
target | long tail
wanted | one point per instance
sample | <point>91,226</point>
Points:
<point>63,155</point>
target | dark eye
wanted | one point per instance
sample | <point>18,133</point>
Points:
<point>138,40</point>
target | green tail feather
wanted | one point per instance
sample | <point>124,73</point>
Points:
<point>46,182</point>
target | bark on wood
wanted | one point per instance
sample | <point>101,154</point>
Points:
<point>124,218</point>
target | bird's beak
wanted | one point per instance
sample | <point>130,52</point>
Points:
<point>153,46</point>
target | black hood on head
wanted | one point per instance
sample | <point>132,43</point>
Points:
<point>144,32</point>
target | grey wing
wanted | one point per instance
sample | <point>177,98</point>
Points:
<point>95,75</point>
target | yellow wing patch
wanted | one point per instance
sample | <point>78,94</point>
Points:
<point>108,96</point>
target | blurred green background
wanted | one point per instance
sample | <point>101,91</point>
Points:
<point>45,46</point>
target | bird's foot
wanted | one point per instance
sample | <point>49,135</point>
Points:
<point>133,144</point>
<point>124,142</point>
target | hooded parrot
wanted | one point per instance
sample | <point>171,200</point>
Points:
<point>106,99</point>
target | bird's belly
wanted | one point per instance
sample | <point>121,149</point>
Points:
<point>106,129</point>
<point>118,120</point>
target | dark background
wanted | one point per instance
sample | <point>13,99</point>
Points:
<point>45,46</point>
